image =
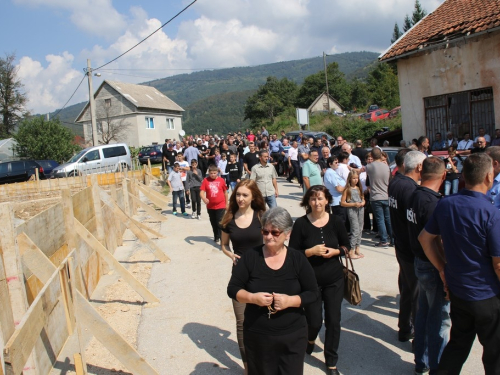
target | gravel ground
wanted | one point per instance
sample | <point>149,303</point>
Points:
<point>193,330</point>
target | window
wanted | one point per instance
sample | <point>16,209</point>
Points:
<point>170,123</point>
<point>4,167</point>
<point>111,152</point>
<point>17,166</point>
<point>107,103</point>
<point>92,155</point>
<point>460,112</point>
<point>150,123</point>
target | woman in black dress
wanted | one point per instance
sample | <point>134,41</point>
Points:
<point>241,226</point>
<point>320,235</point>
<point>275,282</point>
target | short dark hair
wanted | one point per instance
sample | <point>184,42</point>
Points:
<point>466,133</point>
<point>342,156</point>
<point>376,153</point>
<point>421,140</point>
<point>400,157</point>
<point>263,151</point>
<point>212,168</point>
<point>313,191</point>
<point>494,152</point>
<point>476,167</point>
<point>432,167</point>
<point>331,159</point>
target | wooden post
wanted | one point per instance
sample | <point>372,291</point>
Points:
<point>67,203</point>
<point>14,272</point>
<point>126,199</point>
<point>118,224</point>
<point>98,210</point>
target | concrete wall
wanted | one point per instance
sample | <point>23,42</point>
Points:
<point>468,65</point>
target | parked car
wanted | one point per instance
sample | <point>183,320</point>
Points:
<point>97,159</point>
<point>379,114</point>
<point>391,154</point>
<point>152,153</point>
<point>372,108</point>
<point>294,134</point>
<point>48,166</point>
<point>19,171</point>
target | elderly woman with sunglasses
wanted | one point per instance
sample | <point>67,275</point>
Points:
<point>321,236</point>
<point>275,282</point>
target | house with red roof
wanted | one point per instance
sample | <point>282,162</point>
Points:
<point>449,70</point>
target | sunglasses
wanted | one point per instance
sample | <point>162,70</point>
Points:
<point>274,233</point>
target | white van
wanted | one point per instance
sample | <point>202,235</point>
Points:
<point>97,159</point>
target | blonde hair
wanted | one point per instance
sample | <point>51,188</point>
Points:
<point>348,187</point>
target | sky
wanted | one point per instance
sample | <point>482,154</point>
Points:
<point>52,39</point>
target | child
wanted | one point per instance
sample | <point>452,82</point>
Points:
<point>217,156</point>
<point>194,179</point>
<point>184,168</point>
<point>177,188</point>
<point>222,168</point>
<point>213,193</point>
<point>354,200</point>
<point>233,170</point>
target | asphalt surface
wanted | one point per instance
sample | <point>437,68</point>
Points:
<point>193,330</point>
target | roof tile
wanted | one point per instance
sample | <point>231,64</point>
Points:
<point>453,18</point>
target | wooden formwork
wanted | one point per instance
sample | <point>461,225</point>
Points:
<point>51,264</point>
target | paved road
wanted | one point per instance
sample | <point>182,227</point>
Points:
<point>193,330</point>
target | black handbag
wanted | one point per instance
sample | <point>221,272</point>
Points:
<point>352,289</point>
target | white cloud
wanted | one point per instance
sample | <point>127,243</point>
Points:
<point>96,17</point>
<point>49,87</point>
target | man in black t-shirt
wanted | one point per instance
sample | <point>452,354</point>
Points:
<point>202,158</point>
<point>250,159</point>
<point>433,315</point>
<point>211,152</point>
<point>171,156</point>
<point>164,150</point>
<point>400,189</point>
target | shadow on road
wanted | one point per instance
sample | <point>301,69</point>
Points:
<point>192,240</point>
<point>216,343</point>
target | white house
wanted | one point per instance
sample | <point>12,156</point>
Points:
<point>320,104</point>
<point>449,70</point>
<point>142,113</point>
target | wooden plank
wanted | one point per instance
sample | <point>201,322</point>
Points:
<point>6,317</point>
<point>98,210</point>
<point>161,202</point>
<point>113,263</point>
<point>149,210</point>
<point>111,339</point>
<point>126,201</point>
<point>79,369</point>
<point>118,224</point>
<point>34,258</point>
<point>126,220</point>
<point>67,204</point>
<point>147,229</point>
<point>21,343</point>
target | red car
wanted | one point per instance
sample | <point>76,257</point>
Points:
<point>379,114</point>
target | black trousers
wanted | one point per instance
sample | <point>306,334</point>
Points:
<point>469,318</point>
<point>342,213</point>
<point>408,295</point>
<point>196,199</point>
<point>331,297</point>
<point>203,165</point>
<point>215,217</point>
<point>296,171</point>
<point>276,355</point>
<point>188,201</point>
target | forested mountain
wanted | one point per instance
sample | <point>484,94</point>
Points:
<point>215,99</point>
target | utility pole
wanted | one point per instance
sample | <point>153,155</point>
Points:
<point>95,141</point>
<point>326,80</point>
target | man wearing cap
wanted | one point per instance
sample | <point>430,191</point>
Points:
<point>171,156</point>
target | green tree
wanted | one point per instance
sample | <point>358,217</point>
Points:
<point>418,13</point>
<point>12,98</point>
<point>39,139</point>
<point>407,23</point>
<point>270,100</point>
<point>396,34</point>
<point>359,94</point>
<point>383,86</point>
<point>314,85</point>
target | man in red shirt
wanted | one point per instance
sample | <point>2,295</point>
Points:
<point>213,192</point>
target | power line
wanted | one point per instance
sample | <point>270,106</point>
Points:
<point>74,92</point>
<point>165,69</point>
<point>158,29</point>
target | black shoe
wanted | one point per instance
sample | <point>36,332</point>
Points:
<point>404,337</point>
<point>290,181</point>
<point>332,371</point>
<point>310,347</point>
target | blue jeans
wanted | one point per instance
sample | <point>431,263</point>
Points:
<point>170,168</point>
<point>232,184</point>
<point>271,201</point>
<point>432,323</point>
<point>381,213</point>
<point>178,195</point>
<point>451,185</point>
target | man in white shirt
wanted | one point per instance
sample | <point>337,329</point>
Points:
<point>347,147</point>
<point>343,169</point>
<point>483,134</point>
<point>293,162</point>
<point>465,143</point>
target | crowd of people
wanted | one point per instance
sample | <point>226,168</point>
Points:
<point>447,248</point>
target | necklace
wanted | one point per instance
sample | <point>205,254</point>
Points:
<point>272,310</point>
